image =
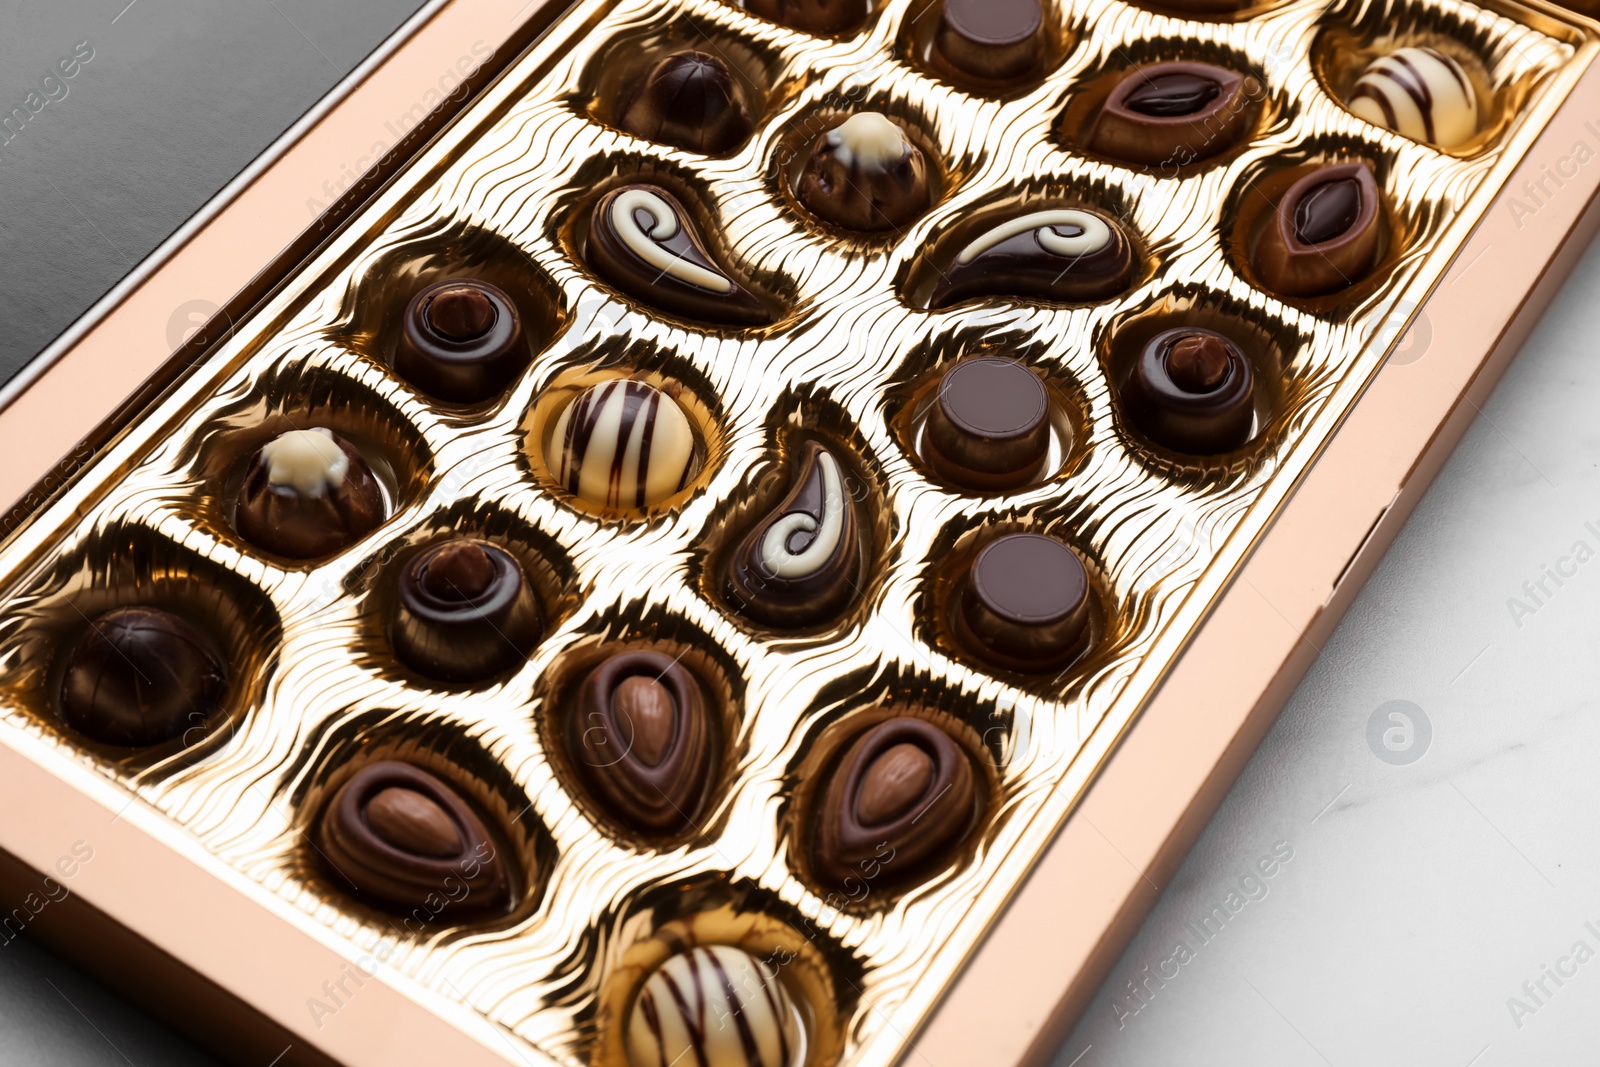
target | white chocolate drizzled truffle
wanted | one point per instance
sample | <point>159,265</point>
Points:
<point>308,461</point>
<point>623,444</point>
<point>714,1006</point>
<point>1419,93</point>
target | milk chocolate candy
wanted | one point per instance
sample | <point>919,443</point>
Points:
<point>308,493</point>
<point>1025,604</point>
<point>1323,234</point>
<point>461,341</point>
<point>991,40</point>
<point>691,100</point>
<point>898,803</point>
<point>1193,391</point>
<point>1063,255</point>
<point>865,174</point>
<point>989,426</point>
<point>140,676</point>
<point>398,836</point>
<point>465,612</point>
<point>1169,114</point>
<point>644,241</point>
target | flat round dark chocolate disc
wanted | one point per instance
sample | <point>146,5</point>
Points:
<point>993,22</point>
<point>993,398</point>
<point>1029,580</point>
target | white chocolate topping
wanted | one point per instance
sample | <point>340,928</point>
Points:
<point>776,557</point>
<point>308,461</point>
<point>1419,93</point>
<point>663,227</point>
<point>868,141</point>
<point>1094,234</point>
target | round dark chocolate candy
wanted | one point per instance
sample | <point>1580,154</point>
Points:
<point>1192,390</point>
<point>801,563</point>
<point>1025,604</point>
<point>865,174</point>
<point>1066,255</point>
<point>465,612</point>
<point>822,17</point>
<point>140,676</point>
<point>643,742</point>
<point>898,804</point>
<point>1323,234</point>
<point>308,493</point>
<point>1170,114</point>
<point>644,242</point>
<point>989,427</point>
<point>691,100</point>
<point>398,836</point>
<point>992,40</point>
<point>461,341</point>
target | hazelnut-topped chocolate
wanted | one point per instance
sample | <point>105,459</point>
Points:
<point>465,611</point>
<point>714,1006</point>
<point>991,40</point>
<point>1192,390</point>
<point>139,676</point>
<point>1171,114</point>
<point>644,241</point>
<point>898,803</point>
<point>692,100</point>
<point>822,17</point>
<point>1323,233</point>
<point>865,174</point>
<point>308,493</point>
<point>399,836</point>
<point>1065,255</point>
<point>1025,603</point>
<point>989,427</point>
<point>461,340</point>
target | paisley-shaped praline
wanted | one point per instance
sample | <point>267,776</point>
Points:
<point>643,742</point>
<point>465,611</point>
<point>396,835</point>
<point>714,1006</point>
<point>800,564</point>
<point>1063,255</point>
<point>644,241</point>
<point>1322,235</point>
<point>898,803</point>
<point>308,493</point>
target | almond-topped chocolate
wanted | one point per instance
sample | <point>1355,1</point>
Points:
<point>898,804</point>
<point>1167,115</point>
<point>1323,234</point>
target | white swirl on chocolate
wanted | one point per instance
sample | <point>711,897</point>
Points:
<point>308,461</point>
<point>715,1006</point>
<point>868,141</point>
<point>664,225</point>
<point>779,558</point>
<point>1419,93</point>
<point>623,444</point>
<point>1089,234</point>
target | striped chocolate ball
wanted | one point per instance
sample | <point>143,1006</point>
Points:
<point>714,1006</point>
<point>1419,93</point>
<point>623,444</point>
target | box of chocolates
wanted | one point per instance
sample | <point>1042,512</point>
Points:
<point>760,543</point>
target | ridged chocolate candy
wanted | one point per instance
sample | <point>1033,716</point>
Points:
<point>1192,390</point>
<point>865,174</point>
<point>1323,234</point>
<point>461,341</point>
<point>1025,603</point>
<point>801,563</point>
<point>140,676</point>
<point>623,444</point>
<point>644,241</point>
<point>989,427</point>
<point>714,1006</point>
<point>308,493</point>
<point>398,836</point>
<point>1065,255</point>
<point>1170,114</point>
<point>466,612</point>
<point>822,17</point>
<point>991,40</point>
<point>642,740</point>
<point>898,803</point>
<point>691,100</point>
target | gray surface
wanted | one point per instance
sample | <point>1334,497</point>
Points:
<point>1421,895</point>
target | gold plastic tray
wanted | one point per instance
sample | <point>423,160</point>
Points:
<point>499,195</point>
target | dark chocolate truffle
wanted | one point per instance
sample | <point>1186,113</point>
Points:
<point>1323,233</point>
<point>140,676</point>
<point>1065,255</point>
<point>801,563</point>
<point>398,836</point>
<point>1025,603</point>
<point>642,741</point>
<point>465,612</point>
<point>308,493</point>
<point>865,174</point>
<point>691,100</point>
<point>644,242</point>
<point>461,341</point>
<point>822,17</point>
<point>991,40</point>
<point>1171,114</point>
<point>1192,390</point>
<point>989,428</point>
<point>898,803</point>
